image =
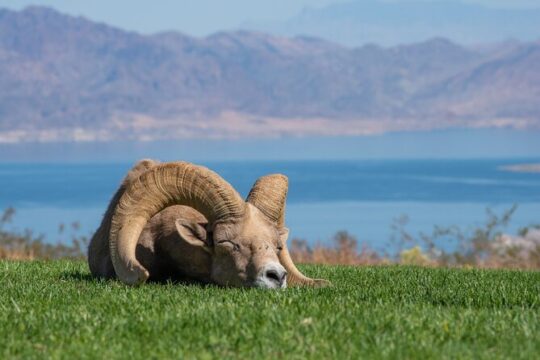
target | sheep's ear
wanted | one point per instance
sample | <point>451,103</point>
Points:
<point>194,233</point>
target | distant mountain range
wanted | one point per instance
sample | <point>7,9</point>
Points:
<point>66,78</point>
<point>390,23</point>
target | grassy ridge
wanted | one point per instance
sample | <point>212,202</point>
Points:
<point>56,309</point>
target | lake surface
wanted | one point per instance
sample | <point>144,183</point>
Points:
<point>362,197</point>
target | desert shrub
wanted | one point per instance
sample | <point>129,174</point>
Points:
<point>344,251</point>
<point>482,246</point>
<point>26,245</point>
<point>415,256</point>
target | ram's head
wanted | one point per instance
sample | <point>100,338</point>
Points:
<point>246,240</point>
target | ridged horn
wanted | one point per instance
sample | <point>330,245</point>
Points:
<point>177,183</point>
<point>97,248</point>
<point>268,195</point>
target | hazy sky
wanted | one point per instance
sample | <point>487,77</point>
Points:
<point>199,17</point>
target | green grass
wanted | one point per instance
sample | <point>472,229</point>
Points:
<point>56,310</point>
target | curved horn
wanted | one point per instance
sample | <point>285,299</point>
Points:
<point>177,183</point>
<point>98,247</point>
<point>268,195</point>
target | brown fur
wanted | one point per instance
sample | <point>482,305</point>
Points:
<point>165,254</point>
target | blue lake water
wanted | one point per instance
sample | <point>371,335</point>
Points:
<point>362,197</point>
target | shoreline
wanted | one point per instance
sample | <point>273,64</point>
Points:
<point>522,168</point>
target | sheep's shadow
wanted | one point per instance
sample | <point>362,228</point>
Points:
<point>77,276</point>
<point>85,277</point>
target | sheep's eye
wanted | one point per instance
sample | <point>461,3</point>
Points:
<point>279,248</point>
<point>230,244</point>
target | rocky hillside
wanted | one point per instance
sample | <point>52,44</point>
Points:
<point>66,78</point>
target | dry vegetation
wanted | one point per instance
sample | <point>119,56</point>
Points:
<point>484,246</point>
<point>343,252</point>
<point>26,245</point>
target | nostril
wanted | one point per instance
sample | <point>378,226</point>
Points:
<point>273,275</point>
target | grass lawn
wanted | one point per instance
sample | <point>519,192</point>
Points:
<point>56,310</point>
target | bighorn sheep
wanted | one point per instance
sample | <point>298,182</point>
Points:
<point>182,220</point>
